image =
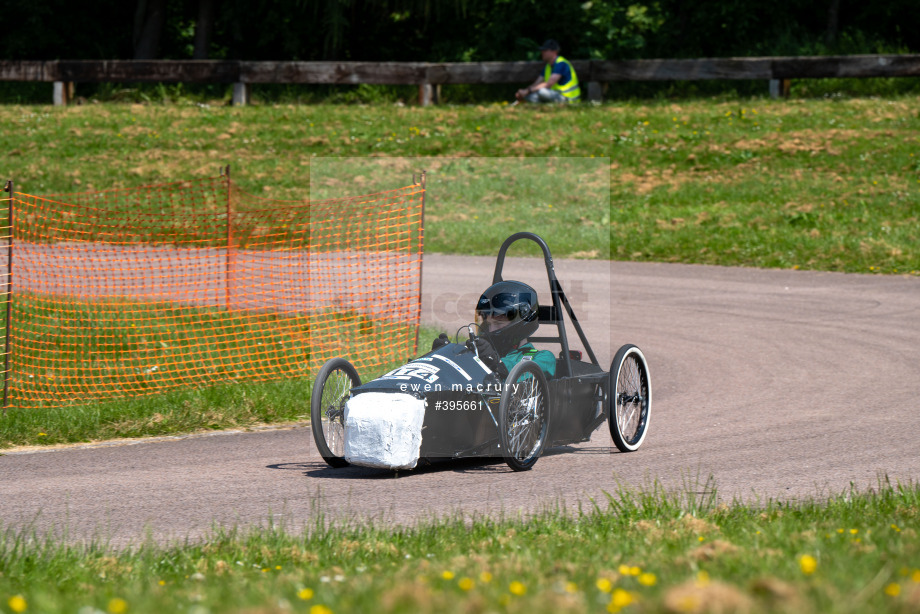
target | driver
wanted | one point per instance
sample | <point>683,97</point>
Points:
<point>507,314</point>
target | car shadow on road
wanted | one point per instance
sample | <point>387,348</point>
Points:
<point>580,451</point>
<point>476,465</point>
<point>319,469</point>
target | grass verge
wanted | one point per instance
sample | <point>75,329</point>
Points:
<point>646,550</point>
<point>829,183</point>
<point>192,410</point>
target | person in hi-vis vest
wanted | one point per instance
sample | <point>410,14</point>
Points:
<point>558,83</point>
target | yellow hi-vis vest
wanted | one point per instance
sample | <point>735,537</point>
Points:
<point>570,90</point>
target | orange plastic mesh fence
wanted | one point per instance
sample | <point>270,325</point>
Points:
<point>6,239</point>
<point>135,292</point>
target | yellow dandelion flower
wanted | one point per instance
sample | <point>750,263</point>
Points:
<point>447,575</point>
<point>854,531</point>
<point>466,584</point>
<point>648,579</point>
<point>162,582</point>
<point>571,587</point>
<point>634,571</point>
<point>623,569</point>
<point>915,576</point>
<point>117,606</point>
<point>320,609</point>
<point>808,564</point>
<point>517,588</point>
<point>305,594</point>
<point>702,577</point>
<point>841,530</point>
<point>604,585</point>
<point>701,538</point>
<point>893,589</point>
<point>621,598</point>
<point>17,603</point>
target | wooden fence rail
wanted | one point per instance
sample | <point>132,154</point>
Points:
<point>427,75</point>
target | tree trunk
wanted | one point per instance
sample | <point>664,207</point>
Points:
<point>207,10</point>
<point>149,18</point>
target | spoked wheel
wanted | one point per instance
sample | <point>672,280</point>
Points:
<point>524,414</point>
<point>327,408</point>
<point>629,404</point>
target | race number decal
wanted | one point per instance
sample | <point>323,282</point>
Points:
<point>423,371</point>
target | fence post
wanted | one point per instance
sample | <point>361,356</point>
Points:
<point>9,297</point>
<point>421,255</point>
<point>63,93</point>
<point>229,260</point>
<point>241,94</point>
<point>425,94</point>
<point>780,87</point>
<point>774,88</point>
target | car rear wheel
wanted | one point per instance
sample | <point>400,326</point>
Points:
<point>629,403</point>
<point>524,415</point>
<point>331,390</point>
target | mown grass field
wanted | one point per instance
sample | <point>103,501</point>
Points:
<point>641,551</point>
<point>826,184</point>
<point>823,184</point>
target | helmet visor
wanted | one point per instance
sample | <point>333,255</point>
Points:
<point>501,310</point>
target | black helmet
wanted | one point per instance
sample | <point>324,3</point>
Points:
<point>515,301</point>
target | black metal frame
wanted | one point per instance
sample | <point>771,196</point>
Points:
<point>554,314</point>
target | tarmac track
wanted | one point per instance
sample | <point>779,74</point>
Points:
<point>777,384</point>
